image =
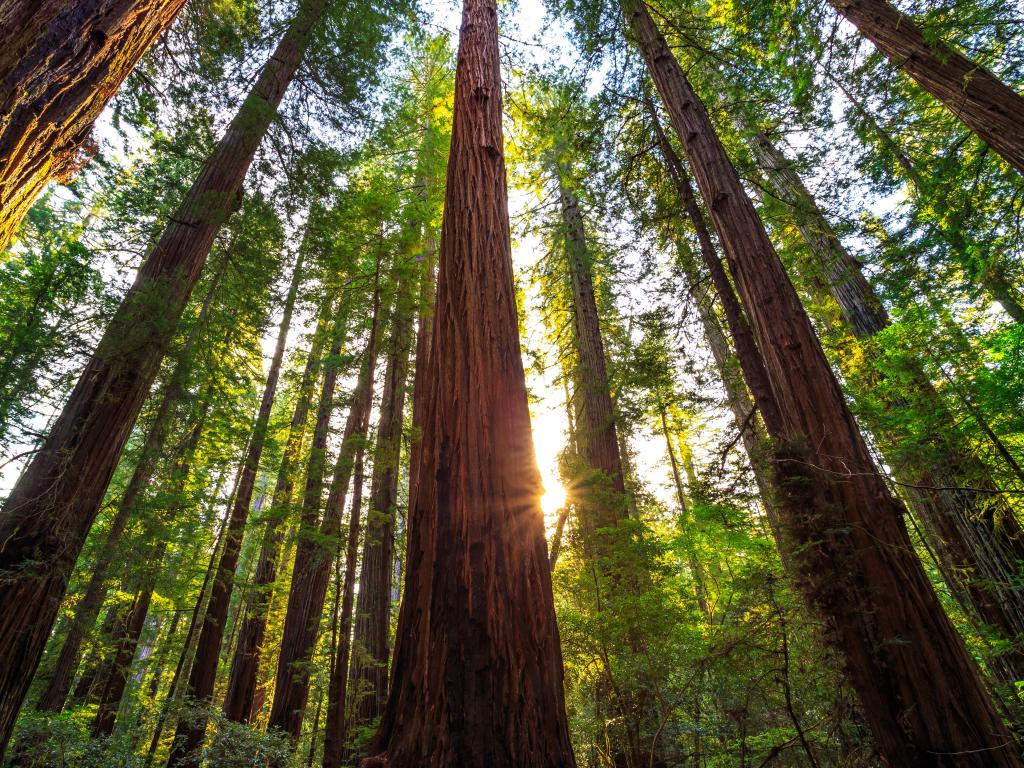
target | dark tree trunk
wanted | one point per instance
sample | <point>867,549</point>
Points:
<point>49,512</point>
<point>921,691</point>
<point>477,673</point>
<point>60,63</point>
<point>976,535</point>
<point>204,671</point>
<point>241,693</point>
<point>373,608</point>
<point>336,726</point>
<point>88,607</point>
<point>990,108</point>
<point>315,552</point>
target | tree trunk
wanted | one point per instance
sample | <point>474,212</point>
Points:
<point>477,673</point>
<point>60,64</point>
<point>241,693</point>
<point>315,551</point>
<point>204,671</point>
<point>602,492</point>
<point>976,535</point>
<point>88,607</point>
<point>49,512</point>
<point>336,726</point>
<point>373,609</point>
<point>921,691</point>
<point>990,108</point>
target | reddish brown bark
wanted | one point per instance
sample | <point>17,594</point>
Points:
<point>369,674</point>
<point>204,671</point>
<point>60,63</point>
<point>88,607</point>
<point>48,514</point>
<point>336,725</point>
<point>976,536</point>
<point>990,108</point>
<point>920,689</point>
<point>241,693</point>
<point>477,673</point>
<point>315,552</point>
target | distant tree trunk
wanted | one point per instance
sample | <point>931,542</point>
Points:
<point>48,514</point>
<point>477,673</point>
<point>315,551</point>
<point>336,726</point>
<point>373,608</point>
<point>990,108</point>
<point>182,669</point>
<point>204,671</point>
<point>88,607</point>
<point>752,372</point>
<point>921,691</point>
<point>602,502</point>
<point>976,535</point>
<point>127,643</point>
<point>60,64</point>
<point>241,693</point>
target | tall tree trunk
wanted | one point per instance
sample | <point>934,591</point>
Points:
<point>976,535</point>
<point>921,691</point>
<point>60,64</point>
<point>336,725</point>
<point>477,673</point>
<point>373,609</point>
<point>88,607</point>
<point>315,552</point>
<point>204,671</point>
<point>602,501</point>
<point>48,514</point>
<point>990,108</point>
<point>241,693</point>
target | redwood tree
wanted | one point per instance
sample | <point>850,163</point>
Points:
<point>49,512</point>
<point>477,674</point>
<point>920,689</point>
<point>981,101</point>
<point>60,63</point>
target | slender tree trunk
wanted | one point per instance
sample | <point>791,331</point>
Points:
<point>88,607</point>
<point>336,725</point>
<point>204,671</point>
<point>373,608</point>
<point>241,693</point>
<point>602,503</point>
<point>921,691</point>
<point>49,512</point>
<point>315,552</point>
<point>990,108</point>
<point>60,64</point>
<point>477,673</point>
<point>977,536</point>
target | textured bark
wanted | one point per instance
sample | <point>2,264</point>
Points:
<point>241,693</point>
<point>990,108</point>
<point>315,552</point>
<point>976,536</point>
<point>88,607</point>
<point>48,514</point>
<point>477,672</point>
<point>920,689</point>
<point>373,608</point>
<point>60,63</point>
<point>602,491</point>
<point>336,725</point>
<point>204,672</point>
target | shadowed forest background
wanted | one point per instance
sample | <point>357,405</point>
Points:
<point>410,383</point>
